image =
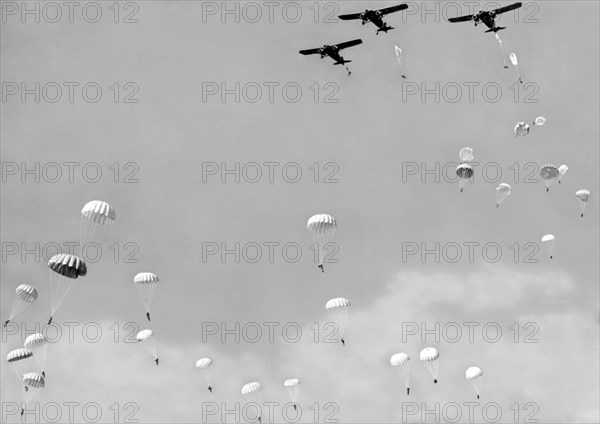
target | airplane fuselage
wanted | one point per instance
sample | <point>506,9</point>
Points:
<point>376,17</point>
<point>333,52</point>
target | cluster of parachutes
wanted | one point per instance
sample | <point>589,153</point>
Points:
<point>22,363</point>
<point>548,173</point>
<point>65,269</point>
<point>430,358</point>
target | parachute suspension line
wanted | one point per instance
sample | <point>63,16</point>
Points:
<point>59,287</point>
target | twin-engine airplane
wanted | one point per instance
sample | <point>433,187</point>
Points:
<point>333,51</point>
<point>487,17</point>
<point>375,16</point>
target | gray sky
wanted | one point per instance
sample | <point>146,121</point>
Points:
<point>369,133</point>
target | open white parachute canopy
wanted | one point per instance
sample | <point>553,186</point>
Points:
<point>430,358</point>
<point>540,120</point>
<point>401,362</point>
<point>95,214</point>
<point>549,173</point>
<point>20,361</point>
<point>502,192</point>
<point>322,228</point>
<point>205,367</point>
<point>549,241</point>
<point>521,129</point>
<point>464,172</point>
<point>562,170</point>
<point>64,270</point>
<point>38,344</point>
<point>337,309</point>
<point>466,154</point>
<point>25,295</point>
<point>145,284</point>
<point>251,391</point>
<point>292,386</point>
<point>475,376</point>
<point>148,341</point>
<point>583,196</point>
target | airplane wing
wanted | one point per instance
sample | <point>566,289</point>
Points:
<point>462,18</point>
<point>394,9</point>
<point>350,16</point>
<point>349,44</point>
<point>309,51</point>
<point>508,8</point>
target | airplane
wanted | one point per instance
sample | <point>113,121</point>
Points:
<point>333,51</point>
<point>488,17</point>
<point>375,16</point>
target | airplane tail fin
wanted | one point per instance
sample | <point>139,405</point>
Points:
<point>496,29</point>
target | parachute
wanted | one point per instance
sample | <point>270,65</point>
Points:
<point>400,60</point>
<point>540,120</point>
<point>502,192</point>
<point>251,392</point>
<point>205,367</point>
<point>20,361</point>
<point>94,214</point>
<point>521,129</point>
<point>64,270</point>
<point>292,386</point>
<point>25,295</point>
<point>549,173</point>
<point>401,362</point>
<point>38,344</point>
<point>464,171</point>
<point>549,241</point>
<point>562,170</point>
<point>148,342</point>
<point>145,283</point>
<point>34,382</point>
<point>322,228</point>
<point>515,63</point>
<point>338,312</point>
<point>466,154</point>
<point>501,50</point>
<point>583,196</point>
<point>430,358</point>
<point>475,376</point>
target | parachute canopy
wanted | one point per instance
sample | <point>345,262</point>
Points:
<point>33,379</point>
<point>540,120</point>
<point>502,192</point>
<point>521,129</point>
<point>19,355</point>
<point>251,388</point>
<point>513,59</point>
<point>203,363</point>
<point>466,154</point>
<point>69,266</point>
<point>398,359</point>
<point>99,212</point>
<point>583,196</point>
<point>291,382</point>
<point>26,293</point>
<point>562,170</point>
